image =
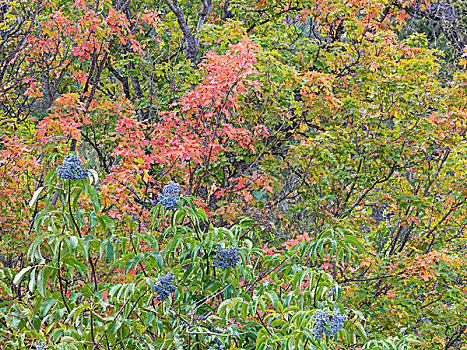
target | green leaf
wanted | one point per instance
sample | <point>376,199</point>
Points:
<point>273,297</point>
<point>113,327</point>
<point>43,278</point>
<point>38,220</point>
<point>19,276</point>
<point>96,202</point>
<point>73,242</point>
<point>46,305</point>
<point>35,196</point>
<point>49,176</point>
<point>159,260</point>
<point>102,224</point>
<point>109,252</point>
<point>77,195</point>
<point>32,280</point>
<point>6,288</point>
<point>93,175</point>
<point>108,221</point>
<point>361,330</point>
<point>75,264</point>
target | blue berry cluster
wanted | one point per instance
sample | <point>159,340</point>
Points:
<point>226,258</point>
<point>199,322</point>
<point>334,321</point>
<point>142,338</point>
<point>217,343</point>
<point>41,345</point>
<point>170,195</point>
<point>165,287</point>
<point>72,169</point>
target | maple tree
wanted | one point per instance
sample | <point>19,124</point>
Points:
<point>319,149</point>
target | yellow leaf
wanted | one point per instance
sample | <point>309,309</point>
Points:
<point>145,176</point>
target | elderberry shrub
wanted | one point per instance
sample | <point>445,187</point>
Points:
<point>72,169</point>
<point>226,258</point>
<point>165,287</point>
<point>170,195</point>
<point>334,321</point>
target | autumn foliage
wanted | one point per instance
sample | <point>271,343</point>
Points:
<point>322,144</point>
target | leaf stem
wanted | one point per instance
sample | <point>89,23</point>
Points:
<point>93,269</point>
<point>60,278</point>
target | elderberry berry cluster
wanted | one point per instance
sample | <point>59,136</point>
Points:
<point>226,258</point>
<point>165,287</point>
<point>142,338</point>
<point>216,343</point>
<point>41,345</point>
<point>334,321</point>
<point>199,321</point>
<point>170,195</point>
<point>72,169</point>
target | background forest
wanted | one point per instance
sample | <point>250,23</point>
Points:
<point>238,174</point>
